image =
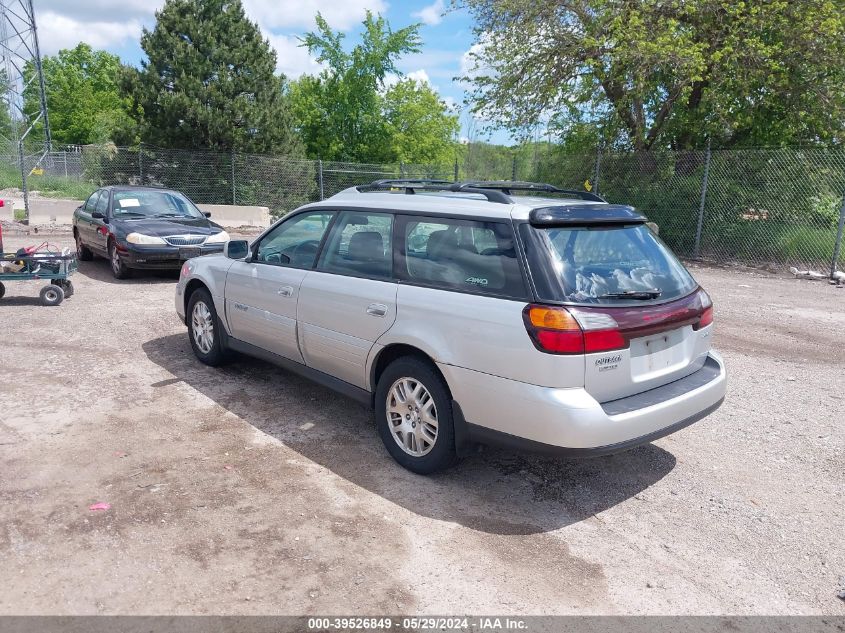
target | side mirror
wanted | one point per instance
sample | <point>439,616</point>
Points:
<point>236,249</point>
<point>207,214</point>
<point>98,216</point>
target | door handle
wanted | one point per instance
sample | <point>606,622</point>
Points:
<point>285,291</point>
<point>377,309</point>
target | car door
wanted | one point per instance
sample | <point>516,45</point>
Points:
<point>349,301</point>
<point>262,293</point>
<point>84,221</point>
<point>100,228</point>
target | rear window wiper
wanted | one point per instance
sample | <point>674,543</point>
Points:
<point>633,294</point>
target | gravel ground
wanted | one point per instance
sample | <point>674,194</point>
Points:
<point>247,490</point>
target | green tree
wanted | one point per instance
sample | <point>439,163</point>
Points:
<point>419,124</point>
<point>84,100</point>
<point>664,73</point>
<point>209,82</point>
<point>340,113</point>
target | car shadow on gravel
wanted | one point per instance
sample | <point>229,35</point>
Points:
<point>99,270</point>
<point>493,490</point>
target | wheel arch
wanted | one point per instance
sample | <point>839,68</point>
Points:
<point>190,288</point>
<point>394,351</point>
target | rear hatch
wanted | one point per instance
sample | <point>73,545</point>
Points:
<point>611,290</point>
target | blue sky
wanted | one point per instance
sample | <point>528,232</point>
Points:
<point>115,25</point>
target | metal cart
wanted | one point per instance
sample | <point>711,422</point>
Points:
<point>55,267</point>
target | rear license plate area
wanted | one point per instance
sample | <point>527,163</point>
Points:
<point>189,252</point>
<point>658,352</point>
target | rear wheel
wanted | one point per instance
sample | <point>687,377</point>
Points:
<point>66,285</point>
<point>414,416</point>
<point>83,253</point>
<point>204,329</point>
<point>52,295</point>
<point>118,268</point>
<point>2,290</point>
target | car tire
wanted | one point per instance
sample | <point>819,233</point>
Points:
<point>405,418</point>
<point>52,295</point>
<point>2,290</point>
<point>118,268</point>
<point>83,253</point>
<point>204,329</point>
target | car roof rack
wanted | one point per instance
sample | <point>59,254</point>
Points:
<point>494,190</point>
<point>411,186</point>
<point>508,186</point>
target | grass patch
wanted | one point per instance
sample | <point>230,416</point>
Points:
<point>20,214</point>
<point>47,186</point>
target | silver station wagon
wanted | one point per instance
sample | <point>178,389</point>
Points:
<point>476,312</point>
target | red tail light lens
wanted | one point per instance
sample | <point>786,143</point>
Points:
<point>559,331</point>
<point>706,317</point>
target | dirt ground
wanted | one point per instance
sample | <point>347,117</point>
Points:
<point>247,490</point>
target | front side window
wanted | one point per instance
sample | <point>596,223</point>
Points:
<point>603,265</point>
<point>103,203</point>
<point>360,245</point>
<point>153,204</point>
<point>294,242</point>
<point>466,255</point>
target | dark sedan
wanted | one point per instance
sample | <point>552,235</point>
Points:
<point>143,227</point>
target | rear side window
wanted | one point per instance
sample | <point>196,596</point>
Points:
<point>360,245</point>
<point>463,255</point>
<point>603,265</point>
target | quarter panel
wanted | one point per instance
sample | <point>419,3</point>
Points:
<point>485,334</point>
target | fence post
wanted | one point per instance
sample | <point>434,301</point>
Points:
<point>402,171</point>
<point>320,179</point>
<point>232,162</point>
<point>704,182</point>
<point>64,153</point>
<point>141,162</point>
<point>513,168</point>
<point>456,169</point>
<point>23,184</point>
<point>837,248</point>
<point>597,173</point>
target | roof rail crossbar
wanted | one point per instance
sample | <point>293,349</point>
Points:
<point>411,186</point>
<point>507,186</point>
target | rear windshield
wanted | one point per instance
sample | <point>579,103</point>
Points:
<point>603,265</point>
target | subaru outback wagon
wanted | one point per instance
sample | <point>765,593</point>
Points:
<point>468,313</point>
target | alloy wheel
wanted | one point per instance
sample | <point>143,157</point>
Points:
<point>412,416</point>
<point>202,327</point>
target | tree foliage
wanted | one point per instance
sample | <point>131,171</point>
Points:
<point>664,73</point>
<point>84,100</point>
<point>209,81</point>
<point>348,113</point>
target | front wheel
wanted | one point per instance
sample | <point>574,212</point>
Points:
<point>2,290</point>
<point>204,329</point>
<point>118,268</point>
<point>414,416</point>
<point>52,295</point>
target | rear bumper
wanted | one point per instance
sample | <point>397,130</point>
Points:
<point>163,257</point>
<point>571,422</point>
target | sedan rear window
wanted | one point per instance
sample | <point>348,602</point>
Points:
<point>603,265</point>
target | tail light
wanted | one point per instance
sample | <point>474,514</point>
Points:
<point>587,330</point>
<point>570,331</point>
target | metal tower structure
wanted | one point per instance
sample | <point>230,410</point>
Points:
<point>26,130</point>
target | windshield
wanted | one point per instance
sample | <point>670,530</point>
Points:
<point>153,204</point>
<point>608,265</point>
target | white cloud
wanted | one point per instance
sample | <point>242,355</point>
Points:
<point>292,59</point>
<point>282,14</point>
<point>432,14</point>
<point>419,75</point>
<point>56,32</point>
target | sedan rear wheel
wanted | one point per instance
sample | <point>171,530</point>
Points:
<point>83,253</point>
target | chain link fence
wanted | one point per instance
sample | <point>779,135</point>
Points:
<point>781,207</point>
